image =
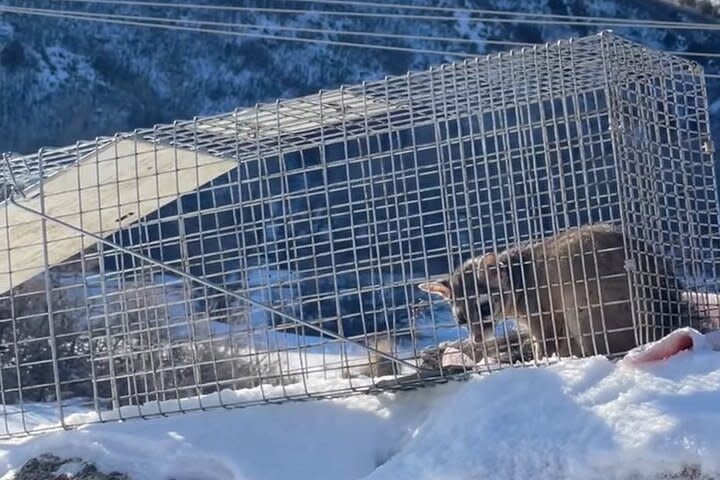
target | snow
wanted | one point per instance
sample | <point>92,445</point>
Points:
<point>581,419</point>
<point>343,438</point>
<point>60,65</point>
<point>714,107</point>
<point>467,28</point>
<point>7,31</point>
<point>589,418</point>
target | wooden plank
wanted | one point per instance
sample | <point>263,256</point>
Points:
<point>103,193</point>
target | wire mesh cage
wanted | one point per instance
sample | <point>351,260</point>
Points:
<point>303,249</point>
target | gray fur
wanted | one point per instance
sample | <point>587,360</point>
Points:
<point>570,290</point>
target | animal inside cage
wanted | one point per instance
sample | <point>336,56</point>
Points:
<point>303,248</point>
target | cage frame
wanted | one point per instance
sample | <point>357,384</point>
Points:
<point>377,108</point>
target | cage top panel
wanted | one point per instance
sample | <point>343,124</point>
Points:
<point>449,91</point>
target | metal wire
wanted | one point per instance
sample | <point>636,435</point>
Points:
<point>194,279</point>
<point>162,20</point>
<point>154,22</point>
<point>514,17</point>
<point>274,253</point>
<point>209,26</point>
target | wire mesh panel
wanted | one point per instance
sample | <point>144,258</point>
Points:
<point>666,178</point>
<point>304,248</point>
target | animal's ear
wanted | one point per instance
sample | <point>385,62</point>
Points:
<point>438,287</point>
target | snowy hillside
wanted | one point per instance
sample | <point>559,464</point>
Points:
<point>582,419</point>
<point>62,80</point>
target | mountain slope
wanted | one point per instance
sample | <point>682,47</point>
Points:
<point>62,80</point>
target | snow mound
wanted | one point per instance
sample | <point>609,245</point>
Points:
<point>577,419</point>
<point>588,419</point>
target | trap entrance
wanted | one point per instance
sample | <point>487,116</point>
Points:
<point>323,214</point>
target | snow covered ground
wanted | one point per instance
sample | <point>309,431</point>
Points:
<point>579,419</point>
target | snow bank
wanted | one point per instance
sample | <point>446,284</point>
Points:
<point>577,419</point>
<point>338,439</point>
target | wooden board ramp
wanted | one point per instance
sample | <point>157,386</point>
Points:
<point>102,193</point>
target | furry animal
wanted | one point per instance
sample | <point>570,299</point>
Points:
<point>571,291</point>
